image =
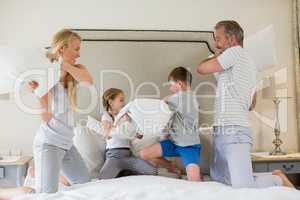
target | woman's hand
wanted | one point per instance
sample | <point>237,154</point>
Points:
<point>63,74</point>
<point>32,85</point>
<point>65,66</point>
<point>45,113</point>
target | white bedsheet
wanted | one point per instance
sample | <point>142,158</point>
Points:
<point>161,188</point>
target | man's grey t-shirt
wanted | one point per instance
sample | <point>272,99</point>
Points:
<point>234,88</point>
<point>184,127</point>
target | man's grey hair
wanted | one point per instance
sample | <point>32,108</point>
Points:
<point>232,28</point>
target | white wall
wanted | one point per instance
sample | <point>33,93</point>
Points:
<point>34,21</point>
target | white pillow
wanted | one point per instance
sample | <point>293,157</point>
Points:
<point>91,146</point>
<point>150,115</point>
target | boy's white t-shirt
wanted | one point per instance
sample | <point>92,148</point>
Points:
<point>114,142</point>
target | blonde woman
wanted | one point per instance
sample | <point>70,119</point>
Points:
<point>54,151</point>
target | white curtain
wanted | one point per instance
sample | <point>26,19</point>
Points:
<point>296,30</point>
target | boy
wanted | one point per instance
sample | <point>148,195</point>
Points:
<point>183,137</point>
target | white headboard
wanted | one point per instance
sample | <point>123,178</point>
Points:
<point>140,61</point>
<point>145,57</point>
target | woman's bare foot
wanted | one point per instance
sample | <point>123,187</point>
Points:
<point>9,193</point>
<point>64,181</point>
<point>286,182</point>
<point>30,172</point>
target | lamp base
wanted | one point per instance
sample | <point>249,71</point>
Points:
<point>277,152</point>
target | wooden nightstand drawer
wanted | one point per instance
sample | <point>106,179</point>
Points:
<point>260,167</point>
<point>287,167</point>
<point>12,173</point>
<point>1,172</point>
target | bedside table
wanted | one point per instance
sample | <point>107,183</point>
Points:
<point>289,164</point>
<point>12,173</point>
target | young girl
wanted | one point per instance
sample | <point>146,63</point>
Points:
<point>119,157</point>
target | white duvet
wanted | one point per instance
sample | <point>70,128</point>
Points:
<point>161,188</point>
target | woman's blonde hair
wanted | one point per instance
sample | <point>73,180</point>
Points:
<point>62,39</point>
<point>109,95</point>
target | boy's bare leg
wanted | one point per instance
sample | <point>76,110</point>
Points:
<point>169,165</point>
<point>193,172</point>
<point>286,182</point>
<point>153,154</point>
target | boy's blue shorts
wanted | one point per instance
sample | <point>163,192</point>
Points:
<point>188,154</point>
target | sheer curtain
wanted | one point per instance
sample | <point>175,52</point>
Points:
<point>296,27</point>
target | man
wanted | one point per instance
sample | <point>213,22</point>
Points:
<point>232,139</point>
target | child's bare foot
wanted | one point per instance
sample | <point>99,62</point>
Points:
<point>286,182</point>
<point>173,169</point>
<point>9,193</point>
